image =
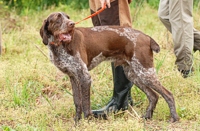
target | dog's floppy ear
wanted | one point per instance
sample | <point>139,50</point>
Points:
<point>44,32</point>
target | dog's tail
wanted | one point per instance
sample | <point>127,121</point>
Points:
<point>154,46</point>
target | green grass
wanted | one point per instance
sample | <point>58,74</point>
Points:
<point>35,96</point>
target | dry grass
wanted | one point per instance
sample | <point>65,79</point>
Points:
<point>35,96</point>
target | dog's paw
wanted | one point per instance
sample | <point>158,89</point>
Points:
<point>174,119</point>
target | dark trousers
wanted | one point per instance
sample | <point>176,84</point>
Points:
<point>122,85</point>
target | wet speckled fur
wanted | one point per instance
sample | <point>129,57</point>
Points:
<point>90,46</point>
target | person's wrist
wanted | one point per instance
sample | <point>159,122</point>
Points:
<point>103,2</point>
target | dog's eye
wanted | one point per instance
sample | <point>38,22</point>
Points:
<point>57,22</point>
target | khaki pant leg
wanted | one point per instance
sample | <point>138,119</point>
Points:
<point>196,40</point>
<point>176,15</point>
<point>163,13</point>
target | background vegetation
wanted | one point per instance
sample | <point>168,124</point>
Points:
<point>23,5</point>
<point>35,96</point>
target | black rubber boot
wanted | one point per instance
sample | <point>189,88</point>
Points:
<point>121,94</point>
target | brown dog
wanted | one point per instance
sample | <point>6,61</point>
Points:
<point>75,51</point>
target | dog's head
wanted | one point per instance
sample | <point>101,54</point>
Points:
<point>57,28</point>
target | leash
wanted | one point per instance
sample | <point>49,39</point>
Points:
<point>94,14</point>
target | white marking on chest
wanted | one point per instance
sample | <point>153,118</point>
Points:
<point>65,62</point>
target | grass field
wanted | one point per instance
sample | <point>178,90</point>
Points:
<point>35,96</point>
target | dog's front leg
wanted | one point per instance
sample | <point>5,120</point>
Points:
<point>85,88</point>
<point>76,87</point>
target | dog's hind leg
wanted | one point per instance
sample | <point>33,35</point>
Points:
<point>146,79</point>
<point>152,97</point>
<point>167,95</point>
<point>152,82</point>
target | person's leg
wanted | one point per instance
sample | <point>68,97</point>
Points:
<point>122,86</point>
<point>196,40</point>
<point>163,14</point>
<point>180,16</point>
<point>176,15</point>
<point>121,94</point>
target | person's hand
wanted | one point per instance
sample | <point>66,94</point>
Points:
<point>105,1</point>
<point>129,1</point>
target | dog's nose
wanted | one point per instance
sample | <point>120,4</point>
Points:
<point>71,24</point>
